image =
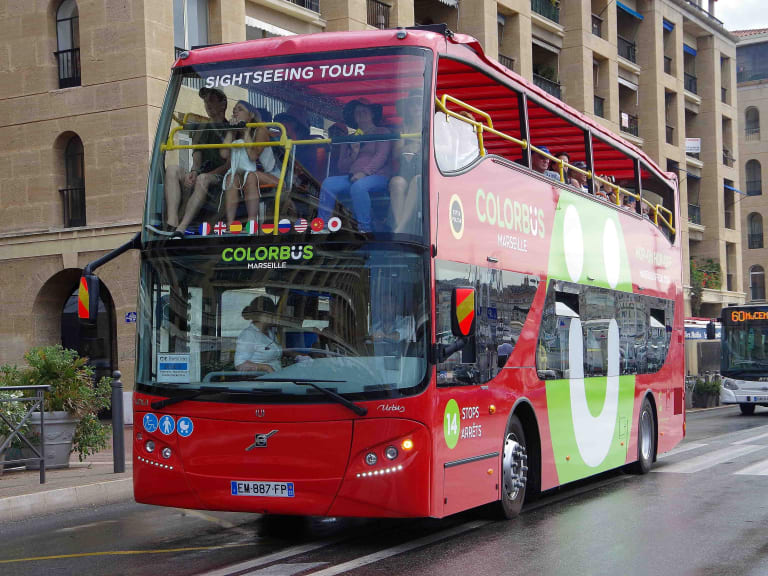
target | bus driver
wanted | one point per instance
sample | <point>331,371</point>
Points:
<point>257,348</point>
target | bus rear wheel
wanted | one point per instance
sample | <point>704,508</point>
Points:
<point>747,409</point>
<point>514,469</point>
<point>646,440</point>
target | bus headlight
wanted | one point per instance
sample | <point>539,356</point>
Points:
<point>149,446</point>
<point>371,459</point>
<point>166,453</point>
<point>730,384</point>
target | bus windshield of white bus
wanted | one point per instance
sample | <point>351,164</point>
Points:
<point>327,145</point>
<point>352,319</point>
<point>745,341</point>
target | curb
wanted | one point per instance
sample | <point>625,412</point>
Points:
<point>25,506</point>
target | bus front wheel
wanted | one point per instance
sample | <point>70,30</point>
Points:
<point>514,469</point>
<point>747,409</point>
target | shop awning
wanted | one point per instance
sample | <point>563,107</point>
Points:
<point>689,50</point>
<point>267,27</point>
<point>629,10</point>
<point>668,26</point>
<point>626,83</point>
<point>451,3</point>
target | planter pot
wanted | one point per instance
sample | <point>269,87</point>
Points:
<point>59,431</point>
<point>705,400</point>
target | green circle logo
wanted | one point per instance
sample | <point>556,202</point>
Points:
<point>451,424</point>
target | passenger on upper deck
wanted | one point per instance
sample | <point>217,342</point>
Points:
<point>404,188</point>
<point>251,167</point>
<point>579,179</point>
<point>207,170</point>
<point>566,159</point>
<point>367,165</point>
<point>540,163</point>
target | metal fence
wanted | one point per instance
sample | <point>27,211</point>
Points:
<point>378,14</point>
<point>691,83</point>
<point>694,213</point>
<point>547,85</point>
<point>73,201</point>
<point>632,126</point>
<point>33,396</point>
<point>69,67</point>
<point>546,8</point>
<point>599,106</point>
<point>627,49</point>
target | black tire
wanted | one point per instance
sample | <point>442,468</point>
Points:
<point>646,440</point>
<point>514,470</point>
<point>747,409</point>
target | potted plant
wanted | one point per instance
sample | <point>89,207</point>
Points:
<point>706,394</point>
<point>71,405</point>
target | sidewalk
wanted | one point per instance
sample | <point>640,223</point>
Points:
<point>88,483</point>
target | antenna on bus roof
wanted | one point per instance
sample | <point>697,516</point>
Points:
<point>437,28</point>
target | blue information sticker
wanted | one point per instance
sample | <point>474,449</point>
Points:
<point>184,426</point>
<point>130,317</point>
<point>167,425</point>
<point>150,422</point>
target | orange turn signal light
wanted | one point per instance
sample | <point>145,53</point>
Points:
<point>407,444</point>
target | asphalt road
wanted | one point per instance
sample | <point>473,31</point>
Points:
<point>701,511</point>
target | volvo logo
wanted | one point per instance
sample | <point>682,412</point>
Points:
<point>260,441</point>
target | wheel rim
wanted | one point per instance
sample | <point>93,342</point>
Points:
<point>515,470</point>
<point>646,426</point>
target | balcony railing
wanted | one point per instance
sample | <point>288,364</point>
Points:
<point>507,61</point>
<point>631,124</point>
<point>69,67</point>
<point>695,155</point>
<point>627,49</point>
<point>754,187</point>
<point>73,200</point>
<point>691,83</point>
<point>724,95</point>
<point>667,65</point>
<point>748,75</point>
<point>600,106</point>
<point>729,220</point>
<point>547,9</point>
<point>549,86</point>
<point>670,134</point>
<point>755,241</point>
<point>597,25</point>
<point>730,282</point>
<point>728,160</point>
<point>752,133</point>
<point>378,14</point>
<point>313,5</point>
<point>694,213</point>
<point>704,11</point>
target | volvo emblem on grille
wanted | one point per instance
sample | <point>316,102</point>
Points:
<point>260,441</point>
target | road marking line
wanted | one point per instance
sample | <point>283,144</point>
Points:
<point>752,439</point>
<point>709,460</point>
<point>388,552</point>
<point>285,569</point>
<point>124,553</point>
<point>269,558</point>
<point>680,450</point>
<point>756,469</point>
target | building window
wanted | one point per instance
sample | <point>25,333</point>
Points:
<point>755,230</point>
<point>752,124</point>
<point>190,23</point>
<point>754,178</point>
<point>68,44</point>
<point>757,282</point>
<point>73,196</point>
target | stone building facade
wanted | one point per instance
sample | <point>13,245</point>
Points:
<point>82,84</point>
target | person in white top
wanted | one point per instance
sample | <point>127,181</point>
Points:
<point>257,348</point>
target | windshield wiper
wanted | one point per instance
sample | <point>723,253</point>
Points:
<point>359,410</point>
<point>158,404</point>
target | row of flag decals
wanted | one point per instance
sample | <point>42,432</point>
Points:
<point>283,226</point>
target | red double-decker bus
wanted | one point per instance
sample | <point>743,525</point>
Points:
<point>371,285</point>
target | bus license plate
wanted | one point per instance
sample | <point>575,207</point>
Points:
<point>258,488</point>
<point>759,398</point>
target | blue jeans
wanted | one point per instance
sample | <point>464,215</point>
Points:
<point>360,192</point>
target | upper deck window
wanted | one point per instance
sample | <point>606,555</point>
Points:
<point>297,145</point>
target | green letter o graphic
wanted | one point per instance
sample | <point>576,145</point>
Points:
<point>451,424</point>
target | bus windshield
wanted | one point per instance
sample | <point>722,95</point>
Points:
<point>745,341</point>
<point>352,320</point>
<point>307,144</point>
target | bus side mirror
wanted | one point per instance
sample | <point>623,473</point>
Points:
<point>88,298</point>
<point>463,312</point>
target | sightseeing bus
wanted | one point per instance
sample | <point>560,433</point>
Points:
<point>411,307</point>
<point>744,356</point>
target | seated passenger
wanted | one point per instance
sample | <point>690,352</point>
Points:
<point>579,179</point>
<point>404,188</point>
<point>566,159</point>
<point>257,348</point>
<point>540,163</point>
<point>336,130</point>
<point>207,169</point>
<point>629,203</point>
<point>250,168</point>
<point>366,166</point>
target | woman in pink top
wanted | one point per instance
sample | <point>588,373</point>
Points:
<point>367,166</point>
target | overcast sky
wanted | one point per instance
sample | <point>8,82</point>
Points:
<point>742,14</point>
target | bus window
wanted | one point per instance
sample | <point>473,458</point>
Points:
<point>598,309</point>
<point>613,168</point>
<point>658,203</point>
<point>632,318</point>
<point>457,147</point>
<point>552,352</point>
<point>555,135</point>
